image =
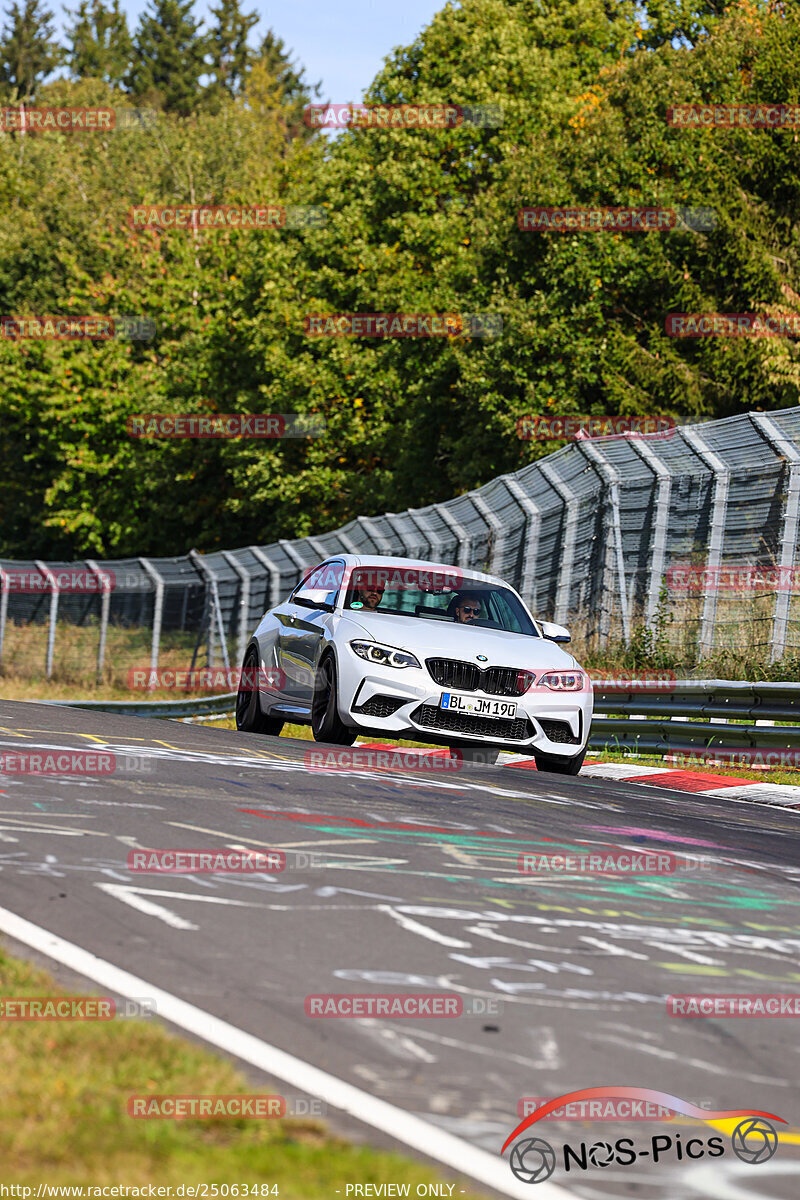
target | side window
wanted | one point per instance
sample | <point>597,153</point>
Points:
<point>322,585</point>
<point>501,612</point>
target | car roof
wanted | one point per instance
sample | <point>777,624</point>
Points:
<point>421,564</point>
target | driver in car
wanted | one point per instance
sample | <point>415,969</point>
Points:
<point>467,608</point>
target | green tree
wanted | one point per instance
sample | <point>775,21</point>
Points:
<point>683,22</point>
<point>418,220</point>
<point>228,48</point>
<point>28,49</point>
<point>100,42</point>
<point>169,57</point>
<point>295,90</point>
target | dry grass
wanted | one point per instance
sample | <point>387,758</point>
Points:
<point>64,1087</point>
<point>22,671</point>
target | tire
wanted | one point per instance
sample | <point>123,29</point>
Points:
<point>484,755</point>
<point>249,717</point>
<point>558,765</point>
<point>326,725</point>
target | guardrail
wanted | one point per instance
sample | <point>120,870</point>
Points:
<point>206,707</point>
<point>656,720</point>
<point>653,718</point>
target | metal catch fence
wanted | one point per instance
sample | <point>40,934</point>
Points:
<point>698,525</point>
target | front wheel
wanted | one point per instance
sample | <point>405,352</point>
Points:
<point>326,724</point>
<point>249,717</point>
<point>558,765</point>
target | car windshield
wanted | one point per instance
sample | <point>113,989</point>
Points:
<point>436,595</point>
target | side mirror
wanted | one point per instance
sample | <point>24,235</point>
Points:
<point>555,633</point>
<point>314,598</point>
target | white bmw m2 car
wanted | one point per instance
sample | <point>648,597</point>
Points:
<point>395,647</point>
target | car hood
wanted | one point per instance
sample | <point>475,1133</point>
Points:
<point>443,639</point>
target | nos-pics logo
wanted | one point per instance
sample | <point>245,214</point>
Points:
<point>754,1140</point>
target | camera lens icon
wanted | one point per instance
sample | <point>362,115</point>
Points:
<point>533,1160</point>
<point>754,1140</point>
<point>601,1154</point>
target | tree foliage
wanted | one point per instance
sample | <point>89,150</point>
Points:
<point>418,220</point>
<point>28,49</point>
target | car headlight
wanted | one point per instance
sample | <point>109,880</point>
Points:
<point>384,656</point>
<point>563,681</point>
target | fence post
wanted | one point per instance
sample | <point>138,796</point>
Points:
<point>571,508</point>
<point>530,540</point>
<point>391,518</point>
<point>463,540</point>
<point>272,571</point>
<point>244,601</point>
<point>430,535</point>
<point>294,555</point>
<point>722,476</point>
<point>613,547</point>
<point>318,548</point>
<point>105,604</point>
<point>216,610</point>
<point>3,609</point>
<point>497,538</point>
<point>51,629</point>
<point>158,609</point>
<point>349,545</point>
<point>378,539</point>
<point>661,523</point>
<point>781,444</point>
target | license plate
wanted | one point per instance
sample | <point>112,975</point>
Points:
<point>477,706</point>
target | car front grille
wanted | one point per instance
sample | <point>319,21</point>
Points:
<point>518,729</point>
<point>495,681</point>
<point>380,706</point>
<point>559,731</point>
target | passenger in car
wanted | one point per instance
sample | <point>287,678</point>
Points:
<point>369,593</point>
<point>465,607</point>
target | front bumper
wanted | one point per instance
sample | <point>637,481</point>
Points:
<point>406,703</point>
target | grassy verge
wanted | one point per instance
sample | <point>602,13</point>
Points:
<point>64,1087</point>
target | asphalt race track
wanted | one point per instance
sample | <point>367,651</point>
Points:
<point>569,975</point>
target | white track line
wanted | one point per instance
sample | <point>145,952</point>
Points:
<point>404,1127</point>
